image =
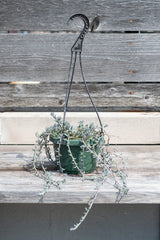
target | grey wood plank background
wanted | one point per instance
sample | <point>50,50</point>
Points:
<point>52,15</point>
<point>127,57</point>
<point>106,57</point>
<point>107,97</point>
<point>143,179</point>
<point>141,160</point>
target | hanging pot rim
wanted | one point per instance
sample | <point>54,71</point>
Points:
<point>72,142</point>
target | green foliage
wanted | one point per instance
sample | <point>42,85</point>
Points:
<point>110,166</point>
<point>86,131</point>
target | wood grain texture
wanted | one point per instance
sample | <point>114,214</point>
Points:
<point>106,57</point>
<point>123,128</point>
<point>24,187</point>
<point>139,159</point>
<point>107,97</point>
<point>53,15</point>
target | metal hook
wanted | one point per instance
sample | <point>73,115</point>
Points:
<point>77,46</point>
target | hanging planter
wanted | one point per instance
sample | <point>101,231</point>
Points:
<point>71,155</point>
<point>79,150</point>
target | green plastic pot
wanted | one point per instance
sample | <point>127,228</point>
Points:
<point>84,159</point>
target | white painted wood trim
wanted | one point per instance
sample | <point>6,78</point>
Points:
<point>124,128</point>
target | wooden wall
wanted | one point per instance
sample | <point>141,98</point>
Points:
<point>121,58</point>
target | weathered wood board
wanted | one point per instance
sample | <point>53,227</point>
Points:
<point>106,57</point>
<point>24,187</point>
<point>123,128</point>
<point>107,97</point>
<point>117,15</point>
<point>139,159</point>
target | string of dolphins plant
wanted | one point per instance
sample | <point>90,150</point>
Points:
<point>110,166</point>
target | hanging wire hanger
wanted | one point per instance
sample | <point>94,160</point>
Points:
<point>77,50</point>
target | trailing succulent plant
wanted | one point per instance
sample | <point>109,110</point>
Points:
<point>110,167</point>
